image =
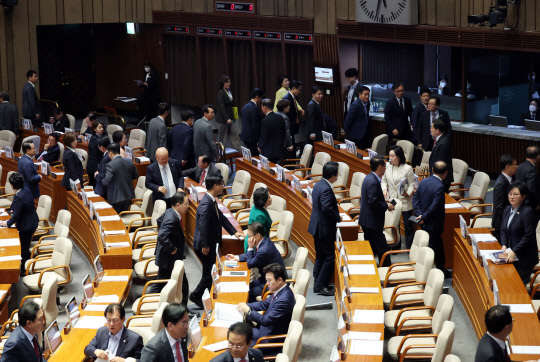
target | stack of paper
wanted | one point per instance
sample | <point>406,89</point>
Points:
<point>96,307</point>
<point>366,348</point>
<point>122,244</point>
<point>91,322</point>
<point>456,205</point>
<point>119,278</point>
<point>91,194</point>
<point>520,308</point>
<point>366,336</point>
<point>234,287</point>
<point>234,274</point>
<point>10,257</point>
<point>10,242</point>
<point>346,223</point>
<point>371,290</point>
<point>109,218</point>
<point>226,314</point>
<point>360,257</point>
<point>113,232</point>
<point>361,269</point>
<point>368,316</point>
<point>217,346</point>
<point>101,205</point>
<point>344,216</point>
<point>525,349</point>
<point>486,238</point>
<point>142,159</point>
<point>106,299</point>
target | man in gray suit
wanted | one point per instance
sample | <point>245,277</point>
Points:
<point>30,102</point>
<point>239,336</point>
<point>203,134</point>
<point>202,170</point>
<point>119,179</point>
<point>171,341</point>
<point>156,136</point>
<point>9,114</point>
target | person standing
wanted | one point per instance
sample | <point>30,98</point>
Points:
<point>284,82</point>
<point>509,167</point>
<point>433,113</point>
<point>372,209</point>
<point>72,162</point>
<point>209,221</point>
<point>296,110</point>
<point>420,108</point>
<point>164,177</point>
<point>100,174</point>
<point>397,111</point>
<point>151,91</point>
<point>357,126</point>
<point>9,114</point>
<point>251,121</point>
<point>94,154</point>
<point>157,132</point>
<point>119,179</point>
<point>322,226</point>
<point>240,336</point>
<point>181,141</point>
<point>442,151</point>
<point>227,125</point>
<point>315,120</point>
<point>428,202</point>
<point>273,133</point>
<point>203,135</point>
<point>526,173</point>
<point>27,169</point>
<point>283,107</point>
<point>30,102</point>
<point>353,89</point>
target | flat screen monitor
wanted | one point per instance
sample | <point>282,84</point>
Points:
<point>532,125</point>
<point>54,337</point>
<point>498,121</point>
<point>98,268</point>
<point>72,310</point>
<point>324,75</point>
<point>88,288</point>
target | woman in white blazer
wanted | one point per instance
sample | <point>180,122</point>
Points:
<point>396,171</point>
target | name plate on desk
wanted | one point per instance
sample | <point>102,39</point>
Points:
<point>264,163</point>
<point>328,138</point>
<point>9,152</point>
<point>246,154</point>
<point>48,127</point>
<point>26,124</point>
<point>351,147</point>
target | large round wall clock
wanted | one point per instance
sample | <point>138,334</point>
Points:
<point>399,12</point>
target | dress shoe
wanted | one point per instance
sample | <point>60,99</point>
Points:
<point>192,314</point>
<point>328,292</point>
<point>197,301</point>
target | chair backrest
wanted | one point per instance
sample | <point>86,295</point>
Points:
<point>302,282</point>
<point>84,155</point>
<point>321,158</point>
<point>425,158</point>
<point>537,234</point>
<point>8,188</point>
<point>392,218</point>
<point>449,358</point>
<point>300,261</point>
<point>434,287</point>
<point>61,155</point>
<point>293,341</point>
<point>178,275</point>
<point>424,263</point>
<point>306,155</point>
<point>61,255</point>
<point>343,174</point>
<point>147,205</point>
<point>111,128</point>
<point>420,240</point>
<point>71,121</point>
<point>48,298</point>
<point>443,312</point>
<point>43,208</point>
<point>140,189</point>
<point>379,144</point>
<point>157,322</point>
<point>137,138</point>
<point>1,170</point>
<point>299,309</point>
<point>277,207</point>
<point>84,127</point>
<point>408,149</point>
<point>444,343</point>
<point>479,186</point>
<point>168,293</point>
<point>63,220</point>
<point>282,358</point>
<point>7,138</point>
<point>34,139</point>
<point>241,183</point>
<point>159,209</point>
<point>355,189</point>
<point>460,170</point>
<point>285,225</point>
<point>224,171</point>
<point>257,185</point>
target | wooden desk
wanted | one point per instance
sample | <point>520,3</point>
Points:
<point>355,164</point>
<point>10,269</point>
<point>72,348</point>
<point>471,285</point>
<point>4,300</point>
<point>451,221</point>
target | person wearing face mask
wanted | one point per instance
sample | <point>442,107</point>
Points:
<point>471,93</point>
<point>442,89</point>
<point>531,114</point>
<point>534,86</point>
<point>151,91</point>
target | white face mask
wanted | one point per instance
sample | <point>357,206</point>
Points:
<point>443,84</point>
<point>532,108</point>
<point>147,69</point>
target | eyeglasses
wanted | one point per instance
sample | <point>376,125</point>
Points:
<point>113,321</point>
<point>237,346</point>
<point>183,324</point>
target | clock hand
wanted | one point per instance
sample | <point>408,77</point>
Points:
<point>384,3</point>
<point>378,9</point>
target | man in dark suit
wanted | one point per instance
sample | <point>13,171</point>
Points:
<point>353,91</point>
<point>22,344</point>
<point>208,223</point>
<point>27,169</point>
<point>114,342</point>
<point>30,102</point>
<point>420,108</point>
<point>526,173</point>
<point>273,133</point>
<point>170,243</point>
<point>428,203</point>
<point>442,151</point>
<point>181,141</point>
<point>9,114</point>
<point>251,122</point>
<point>240,335</point>
<point>314,118</point>
<point>500,192</point>
<point>119,179</point>
<point>51,150</point>
<point>156,135</point>
<point>203,135</point>
<point>322,226</point>
<point>372,209</point>
<point>260,253</point>
<point>492,345</point>
<point>171,341</point>
<point>397,111</point>
<point>200,172</point>
<point>423,128</point>
<point>59,121</point>
<point>296,110</point>
<point>164,177</point>
<point>100,174</point>
<point>530,114</point>
<point>357,126</point>
<point>277,308</point>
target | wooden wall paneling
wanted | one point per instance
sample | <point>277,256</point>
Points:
<point>209,6</point>
<point>465,7</point>
<point>422,12</point>
<point>320,17</point>
<point>157,4</point>
<point>352,10</point>
<point>521,15</point>
<point>98,11</point>
<point>140,11</point>
<point>21,49</point>
<point>445,12</point>
<point>477,7</point>
<point>148,11</point>
<point>111,11</point>
<point>187,5</point>
<point>299,8</point>
<point>122,9</point>
<point>179,4</point>
<point>72,11</point>
<point>88,11</point>
<point>457,13</point>
<point>281,8</point>
<point>331,16</point>
<point>4,84</point>
<point>431,12</point>
<point>266,7</point>
<point>291,7</point>
<point>198,6</point>
<point>169,5</point>
<point>530,20</point>
<point>308,8</point>
<point>60,16</point>
<point>47,12</point>
<point>33,22</point>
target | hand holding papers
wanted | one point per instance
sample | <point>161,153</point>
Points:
<point>226,314</point>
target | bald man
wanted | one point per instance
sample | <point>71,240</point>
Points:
<point>164,176</point>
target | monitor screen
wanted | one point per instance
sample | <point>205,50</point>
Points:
<point>130,27</point>
<point>54,337</point>
<point>72,310</point>
<point>324,75</point>
<point>98,268</point>
<point>88,288</point>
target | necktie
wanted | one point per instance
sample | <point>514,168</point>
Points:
<point>36,348</point>
<point>243,360</point>
<point>217,212</point>
<point>506,355</point>
<point>432,118</point>
<point>203,175</point>
<point>178,354</point>
<point>165,178</point>
<point>401,105</point>
<point>434,143</point>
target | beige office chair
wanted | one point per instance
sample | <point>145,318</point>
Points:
<point>140,189</point>
<point>84,161</point>
<point>278,206</point>
<point>281,235</point>
<point>242,215</point>
<point>422,170</point>
<point>111,128</point>
<point>237,199</point>
<point>477,193</point>
<point>146,236</point>
<point>421,239</point>
<point>137,140</point>
<point>36,140</point>
<point>297,163</point>
<point>350,202</point>
<point>138,218</point>
<point>84,128</point>
<point>148,303</point>
<point>43,211</point>
<point>299,309</point>
<point>71,121</point>
<point>342,180</point>
<point>147,327</point>
<point>60,260</point>
<point>391,226</point>
<point>408,149</point>
<point>292,344</point>
<point>460,174</point>
<point>434,346</point>
<point>60,159</point>
<point>299,264</point>
<point>302,282</point>
<point>7,138</point>
<point>7,197</point>
<point>379,144</point>
<point>45,244</point>
<point>224,171</point>
<point>315,172</point>
<point>282,358</point>
<point>452,358</point>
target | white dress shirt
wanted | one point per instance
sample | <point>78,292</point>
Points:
<point>173,341</point>
<point>114,342</point>
<point>172,186</point>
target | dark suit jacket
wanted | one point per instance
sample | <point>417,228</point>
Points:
<point>423,134</point>
<point>357,120</point>
<point>208,223</point>
<point>156,137</point>
<point>196,172</point>
<point>265,254</point>
<point>19,349</point>
<point>314,120</point>
<point>158,349</point>
<point>9,118</point>
<point>28,171</point>
<point>94,154</point>
<point>500,201</point>
<point>397,119</point>
<point>151,92</point>
<point>254,355</point>
<point>73,168</point>
<point>325,213</point>
<point>354,96</point>
<point>443,152</point>
<point>24,211</point>
<point>52,154</point>
<point>223,107</point>
<point>61,124</point>
<point>372,204</point>
<point>119,180</point>
<point>203,139</point>
<point>489,351</point>
<point>521,235</point>
<point>154,179</point>
<point>181,144</point>
<point>102,169</point>
<point>293,113</point>
<point>170,238</point>
<point>130,344</point>
<point>415,118</point>
<point>524,116</point>
<point>428,201</point>
<point>30,102</point>
<point>273,135</point>
<point>526,173</point>
<point>251,123</point>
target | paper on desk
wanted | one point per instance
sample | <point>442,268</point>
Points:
<point>368,316</point>
<point>360,257</point>
<point>143,159</point>
<point>484,238</point>
<point>90,322</point>
<point>344,216</point>
<point>457,205</point>
<point>101,205</point>
<point>366,336</point>
<point>109,218</point>
<point>111,278</point>
<point>234,274</point>
<point>304,182</point>
<point>59,173</point>
<point>106,299</point>
<point>91,194</point>
<point>234,287</point>
<point>10,257</point>
<point>488,253</point>
<point>525,349</point>
<point>10,242</point>
<point>361,269</point>
<point>222,324</point>
<point>227,312</point>
<point>4,214</point>
<point>122,244</point>
<point>217,346</point>
<point>115,232</point>
<point>365,158</point>
<point>366,348</point>
<point>200,189</point>
<point>229,237</point>
<point>96,307</point>
<point>2,293</point>
<point>520,308</point>
<point>342,146</point>
<point>346,223</point>
<point>372,290</point>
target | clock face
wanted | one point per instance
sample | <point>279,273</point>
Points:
<point>403,12</point>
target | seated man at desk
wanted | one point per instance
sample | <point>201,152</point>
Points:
<point>531,113</point>
<point>202,170</point>
<point>114,342</point>
<point>261,252</point>
<point>51,150</point>
<point>59,120</point>
<point>239,336</point>
<point>278,307</point>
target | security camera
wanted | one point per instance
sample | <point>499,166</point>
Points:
<point>494,17</point>
<point>9,3</point>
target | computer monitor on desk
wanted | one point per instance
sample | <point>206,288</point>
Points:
<point>88,289</point>
<point>53,337</point>
<point>498,121</point>
<point>98,268</point>
<point>532,125</point>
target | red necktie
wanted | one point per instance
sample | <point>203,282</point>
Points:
<point>243,360</point>
<point>201,181</point>
<point>36,348</point>
<point>434,143</point>
<point>178,354</point>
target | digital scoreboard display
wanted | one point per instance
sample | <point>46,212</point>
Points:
<point>177,29</point>
<point>209,31</point>
<point>267,35</point>
<point>238,33</point>
<point>307,38</point>
<point>235,7</point>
